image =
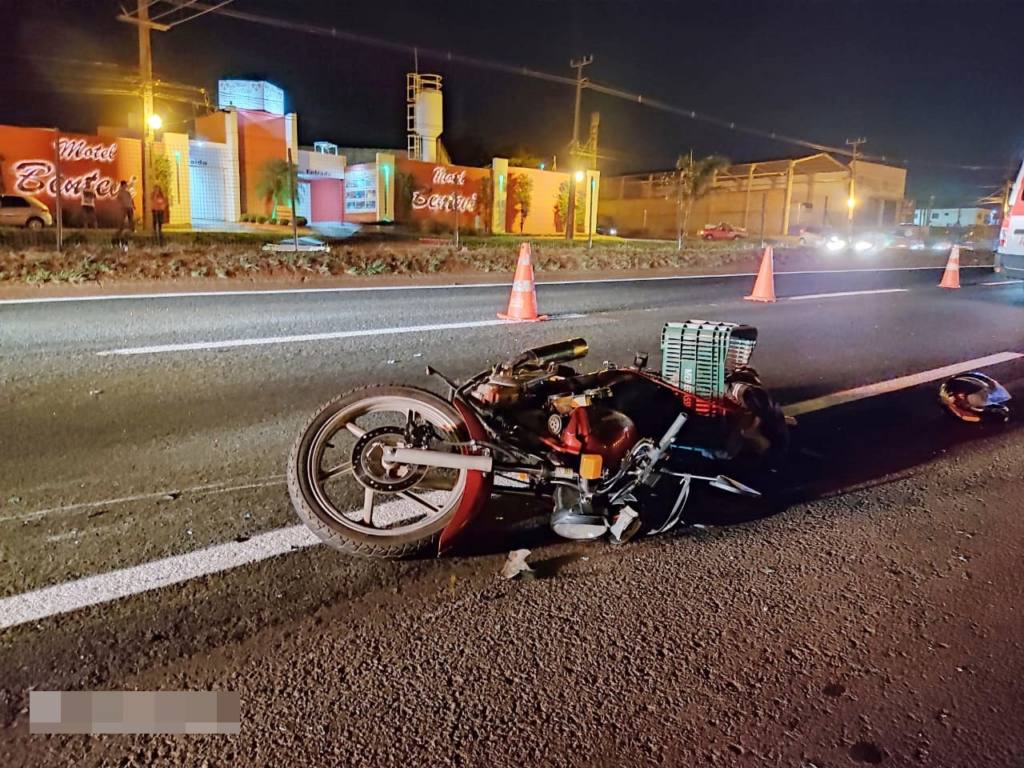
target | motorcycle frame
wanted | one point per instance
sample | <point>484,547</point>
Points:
<point>480,484</point>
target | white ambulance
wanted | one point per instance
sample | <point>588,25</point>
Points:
<point>1011,234</point>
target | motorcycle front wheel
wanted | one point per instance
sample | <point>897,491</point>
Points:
<point>354,500</point>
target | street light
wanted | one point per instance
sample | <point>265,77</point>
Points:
<point>851,203</point>
<point>591,211</point>
<point>155,122</point>
<point>570,208</point>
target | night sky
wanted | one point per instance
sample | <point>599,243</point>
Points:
<point>935,82</point>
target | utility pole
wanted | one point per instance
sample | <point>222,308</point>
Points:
<point>851,201</point>
<point>146,76</point>
<point>145,24</point>
<point>574,146</point>
<point>293,182</point>
<point>58,205</point>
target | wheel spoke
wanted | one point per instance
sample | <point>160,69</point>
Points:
<point>338,471</point>
<point>368,506</point>
<point>355,429</point>
<point>419,500</point>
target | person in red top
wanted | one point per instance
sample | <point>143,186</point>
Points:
<point>158,204</point>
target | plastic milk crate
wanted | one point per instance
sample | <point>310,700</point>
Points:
<point>697,355</point>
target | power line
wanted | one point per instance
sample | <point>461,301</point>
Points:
<point>607,90</point>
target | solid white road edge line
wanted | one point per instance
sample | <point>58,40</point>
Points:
<point>1003,282</point>
<point>893,385</point>
<point>114,585</point>
<point>351,289</point>
<point>259,342</point>
<point>105,587</point>
<point>844,293</point>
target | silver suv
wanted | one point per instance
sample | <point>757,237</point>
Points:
<point>24,211</point>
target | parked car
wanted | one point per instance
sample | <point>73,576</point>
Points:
<point>979,240</point>
<point>24,211</point>
<point>303,245</point>
<point>722,231</point>
<point>908,237</point>
<point>869,242</point>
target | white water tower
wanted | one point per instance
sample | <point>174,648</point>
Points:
<point>424,114</point>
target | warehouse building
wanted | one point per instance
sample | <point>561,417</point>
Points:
<point>772,197</point>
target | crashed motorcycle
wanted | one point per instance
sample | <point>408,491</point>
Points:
<point>393,471</point>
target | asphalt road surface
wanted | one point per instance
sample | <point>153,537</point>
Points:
<point>870,619</point>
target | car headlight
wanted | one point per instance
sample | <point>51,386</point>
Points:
<point>613,231</point>
<point>862,245</point>
<point>835,244</point>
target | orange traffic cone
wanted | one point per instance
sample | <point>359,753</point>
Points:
<point>951,277</point>
<point>764,286</point>
<point>522,304</point>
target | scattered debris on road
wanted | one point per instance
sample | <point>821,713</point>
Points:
<point>516,565</point>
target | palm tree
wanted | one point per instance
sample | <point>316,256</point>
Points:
<point>278,181</point>
<point>691,180</point>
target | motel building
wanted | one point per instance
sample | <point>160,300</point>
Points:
<point>212,175</point>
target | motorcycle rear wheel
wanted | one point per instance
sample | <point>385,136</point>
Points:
<point>350,497</point>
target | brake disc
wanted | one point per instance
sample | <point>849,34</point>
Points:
<point>370,468</point>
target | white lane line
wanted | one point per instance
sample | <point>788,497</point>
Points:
<point>844,293</point>
<point>259,342</point>
<point>197,490</point>
<point>893,385</point>
<point>449,286</point>
<point>105,587</point>
<point>1002,282</point>
<point>114,585</point>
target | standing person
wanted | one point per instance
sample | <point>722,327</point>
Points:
<point>158,204</point>
<point>126,213</point>
<point>89,205</point>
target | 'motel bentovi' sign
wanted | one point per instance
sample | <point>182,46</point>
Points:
<point>437,191</point>
<point>29,167</point>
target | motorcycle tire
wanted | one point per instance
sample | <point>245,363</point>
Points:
<point>310,505</point>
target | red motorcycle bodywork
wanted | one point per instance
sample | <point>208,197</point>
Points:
<point>478,486</point>
<point>610,437</point>
<point>609,434</point>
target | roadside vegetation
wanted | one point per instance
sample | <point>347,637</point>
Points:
<point>31,259</point>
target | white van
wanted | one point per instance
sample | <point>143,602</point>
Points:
<point>1011,234</point>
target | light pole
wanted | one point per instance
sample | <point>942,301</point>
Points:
<point>574,145</point>
<point>851,201</point>
<point>570,208</point>
<point>59,179</point>
<point>458,186</point>
<point>293,182</point>
<point>149,120</point>
<point>592,211</point>
<point>145,24</point>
